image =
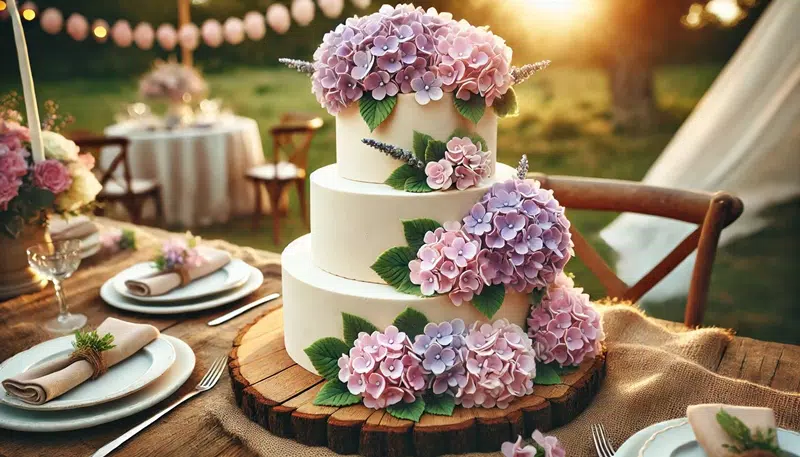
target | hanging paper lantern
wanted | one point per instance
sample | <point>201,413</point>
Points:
<point>77,27</point>
<point>28,11</point>
<point>331,8</point>
<point>362,3</point>
<point>254,25</point>
<point>166,36</point>
<point>122,34</point>
<point>189,36</point>
<point>278,18</point>
<point>212,33</point>
<point>144,35</point>
<point>233,29</point>
<point>303,12</point>
<point>100,30</point>
<point>52,21</point>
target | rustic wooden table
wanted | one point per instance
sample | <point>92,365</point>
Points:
<point>189,430</point>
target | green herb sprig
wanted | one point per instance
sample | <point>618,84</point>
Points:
<point>91,340</point>
<point>745,439</point>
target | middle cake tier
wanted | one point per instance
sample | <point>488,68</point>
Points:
<point>355,222</point>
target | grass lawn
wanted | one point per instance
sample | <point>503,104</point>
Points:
<point>564,128</point>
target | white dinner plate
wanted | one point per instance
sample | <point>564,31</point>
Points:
<point>74,419</point>
<point>124,378</point>
<point>674,438</point>
<point>229,277</point>
<point>113,298</point>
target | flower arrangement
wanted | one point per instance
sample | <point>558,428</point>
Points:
<point>444,364</point>
<point>116,240</point>
<point>516,237</point>
<point>172,81</point>
<point>408,50</point>
<point>543,446</point>
<point>459,163</point>
<point>177,253</point>
<point>63,183</point>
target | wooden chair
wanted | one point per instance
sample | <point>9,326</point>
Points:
<point>711,212</point>
<point>131,193</point>
<point>292,137</point>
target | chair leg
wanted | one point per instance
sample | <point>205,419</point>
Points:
<point>275,190</point>
<point>259,205</point>
<point>134,209</point>
<point>159,207</point>
<point>301,195</point>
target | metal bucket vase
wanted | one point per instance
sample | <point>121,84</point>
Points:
<point>16,276</point>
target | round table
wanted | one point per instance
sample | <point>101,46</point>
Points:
<point>201,169</point>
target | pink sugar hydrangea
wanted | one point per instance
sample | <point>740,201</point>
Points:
<point>382,370</point>
<point>440,348</point>
<point>565,328</point>
<point>544,446</point>
<point>500,365</point>
<point>422,52</point>
<point>52,175</point>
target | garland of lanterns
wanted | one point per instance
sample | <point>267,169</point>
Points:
<point>213,33</point>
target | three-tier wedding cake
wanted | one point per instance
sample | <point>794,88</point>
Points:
<point>425,252</point>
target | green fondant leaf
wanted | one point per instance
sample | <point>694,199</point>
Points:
<point>546,375</point>
<point>435,151</point>
<point>415,230</point>
<point>417,184</point>
<point>353,325</point>
<point>462,132</point>
<point>471,109</point>
<point>409,411</point>
<point>421,144</point>
<point>537,295</point>
<point>392,267</point>
<point>440,405</point>
<point>374,111</point>
<point>397,180</point>
<point>412,322</point>
<point>324,355</point>
<point>335,393</point>
<point>506,105</point>
<point>490,299</point>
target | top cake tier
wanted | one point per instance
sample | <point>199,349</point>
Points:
<point>439,119</point>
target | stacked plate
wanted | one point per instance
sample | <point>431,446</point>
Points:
<point>675,438</point>
<point>136,383</point>
<point>230,283</point>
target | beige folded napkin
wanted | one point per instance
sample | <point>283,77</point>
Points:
<point>52,379</point>
<point>711,435</point>
<point>161,283</point>
<point>75,228</point>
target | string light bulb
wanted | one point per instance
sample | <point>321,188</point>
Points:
<point>100,30</point>
<point>28,11</point>
<point>3,5</point>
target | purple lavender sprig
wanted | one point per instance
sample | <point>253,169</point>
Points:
<point>522,168</point>
<point>300,65</point>
<point>520,74</point>
<point>395,152</point>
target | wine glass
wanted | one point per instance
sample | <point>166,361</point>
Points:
<point>57,261</point>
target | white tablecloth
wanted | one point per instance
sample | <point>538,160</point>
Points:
<point>201,170</point>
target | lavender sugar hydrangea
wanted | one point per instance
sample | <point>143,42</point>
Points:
<point>406,50</point>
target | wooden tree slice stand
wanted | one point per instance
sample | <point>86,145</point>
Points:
<point>272,390</point>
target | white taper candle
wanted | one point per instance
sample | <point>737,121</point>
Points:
<point>32,110</point>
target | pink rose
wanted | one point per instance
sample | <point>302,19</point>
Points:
<point>52,175</point>
<point>439,174</point>
<point>9,188</point>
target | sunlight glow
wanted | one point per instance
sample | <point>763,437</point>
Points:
<point>727,11</point>
<point>556,15</point>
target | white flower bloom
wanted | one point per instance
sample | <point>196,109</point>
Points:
<point>83,191</point>
<point>59,148</point>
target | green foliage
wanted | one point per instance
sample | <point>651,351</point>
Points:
<point>324,355</point>
<point>417,184</point>
<point>471,109</point>
<point>440,405</point>
<point>435,151</point>
<point>92,341</point>
<point>546,375</point>
<point>745,439</point>
<point>421,144</point>
<point>353,325</point>
<point>408,411</point>
<point>374,112</point>
<point>397,180</point>
<point>392,267</point>
<point>335,393</point>
<point>490,300</point>
<point>415,230</point>
<point>538,295</point>
<point>412,322</point>
<point>506,106</point>
<point>128,240</point>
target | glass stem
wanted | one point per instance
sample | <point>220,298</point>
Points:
<point>63,312</point>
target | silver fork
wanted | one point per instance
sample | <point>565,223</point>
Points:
<point>208,381</point>
<point>601,443</point>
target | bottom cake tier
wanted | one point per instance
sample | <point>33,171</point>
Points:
<point>314,300</point>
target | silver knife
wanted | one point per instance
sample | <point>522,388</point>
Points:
<point>226,317</point>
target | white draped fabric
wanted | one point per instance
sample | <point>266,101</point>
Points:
<point>743,137</point>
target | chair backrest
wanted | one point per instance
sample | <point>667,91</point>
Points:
<point>293,136</point>
<point>711,212</point>
<point>95,146</point>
